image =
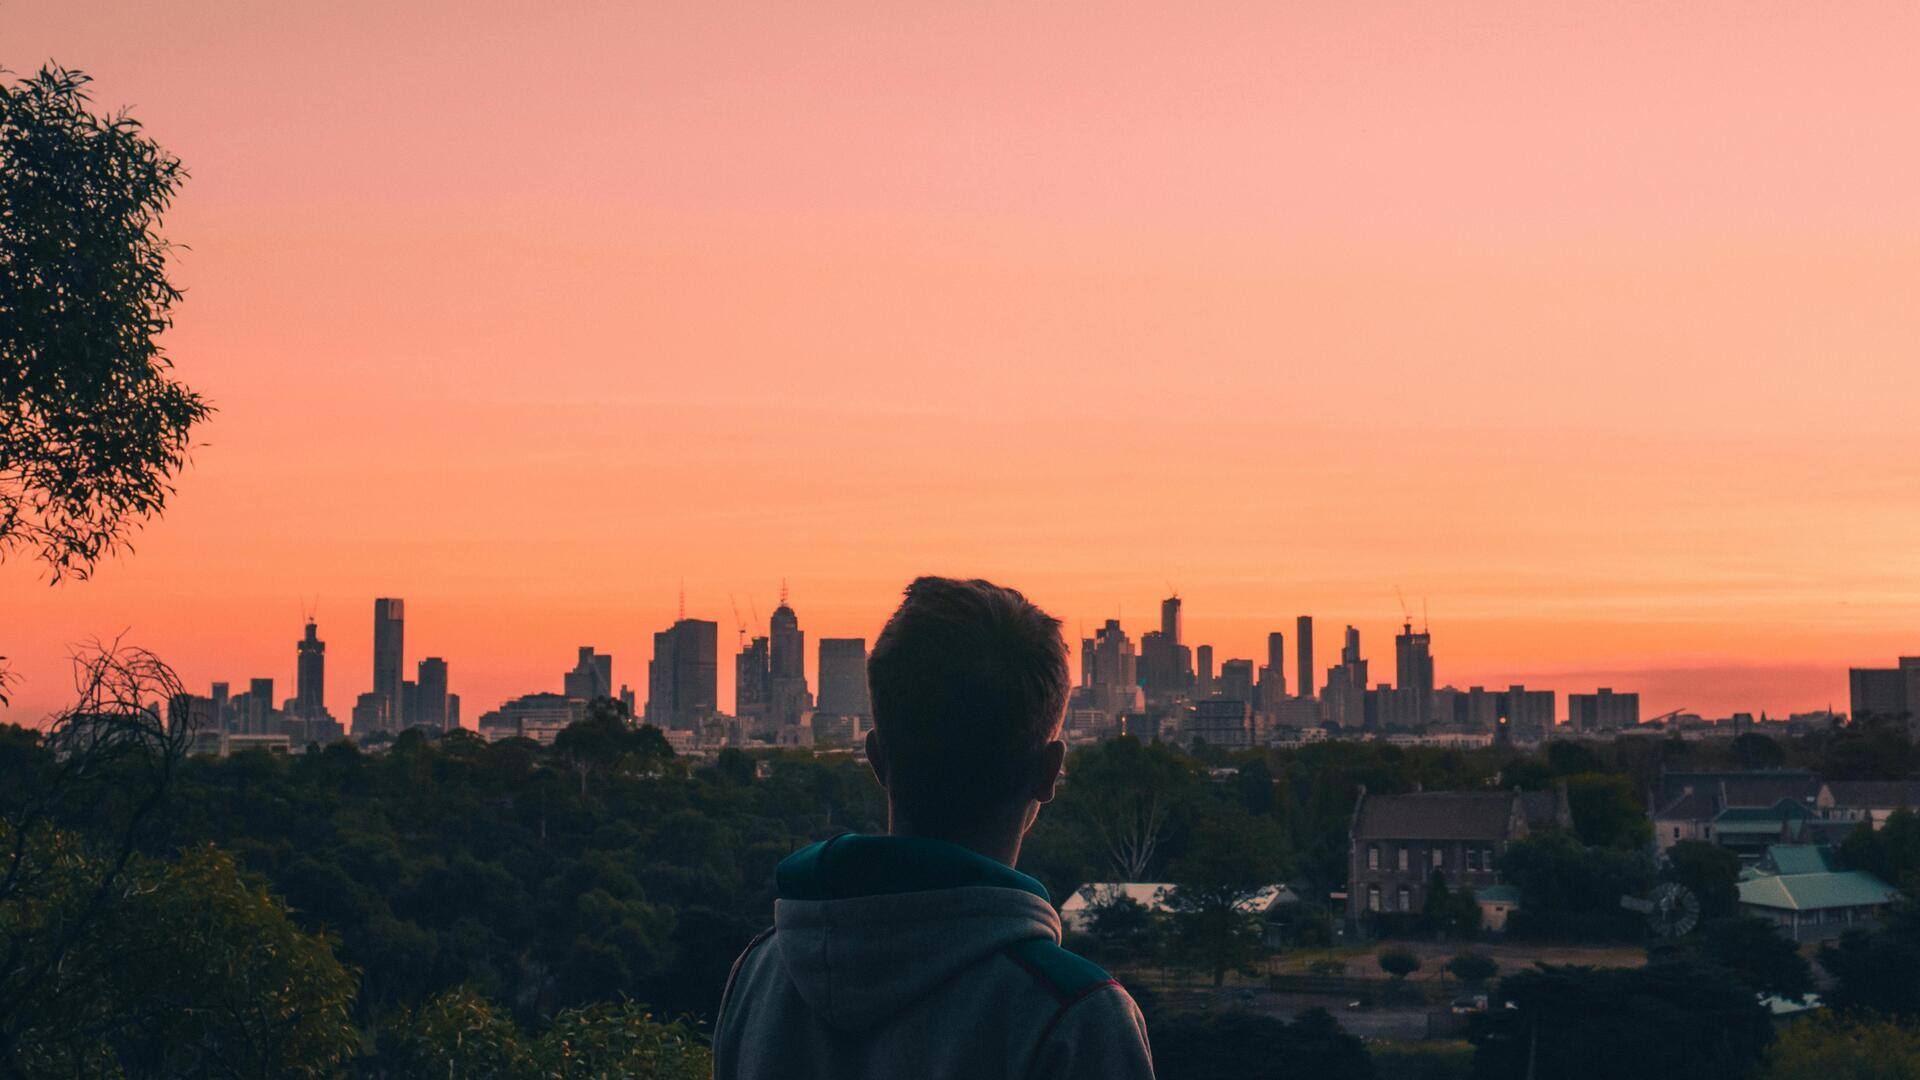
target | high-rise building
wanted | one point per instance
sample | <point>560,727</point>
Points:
<point>1411,702</point>
<point>260,707</point>
<point>409,703</point>
<point>1346,691</point>
<point>1170,619</point>
<point>1107,673</point>
<point>683,674</point>
<point>310,675</point>
<point>389,649</point>
<point>222,700</point>
<point>1236,681</point>
<point>431,699</point>
<point>591,677</point>
<point>1303,647</point>
<point>453,712</point>
<point>753,682</point>
<point>843,678</point>
<point>788,699</point>
<point>369,714</point>
<point>1879,692</point>
<point>1603,710</point>
<point>1203,673</point>
<point>1529,712</point>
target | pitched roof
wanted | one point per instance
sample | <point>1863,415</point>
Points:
<point>1688,806</point>
<point>1875,794</point>
<point>1771,784</point>
<point>1540,808</point>
<point>1798,859</point>
<point>1815,892</point>
<point>1153,895</point>
<point>1760,819</point>
<point>1435,815</point>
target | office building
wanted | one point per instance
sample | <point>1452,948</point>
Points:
<point>260,711</point>
<point>843,677</point>
<point>1413,676</point>
<point>1236,681</point>
<point>1222,721</point>
<point>310,675</point>
<point>1885,693</point>
<point>430,696</point>
<point>1107,673</point>
<point>591,677</point>
<point>389,647</point>
<point>683,674</point>
<point>1603,710</point>
<point>1303,649</point>
<point>753,683</point>
<point>788,699</point>
<point>1203,673</point>
<point>1346,690</point>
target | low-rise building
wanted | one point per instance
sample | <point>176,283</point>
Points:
<point>1799,889</point>
<point>1398,842</point>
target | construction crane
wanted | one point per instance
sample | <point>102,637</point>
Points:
<point>739,622</point>
<point>1665,716</point>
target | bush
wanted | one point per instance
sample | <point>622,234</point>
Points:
<point>1472,967</point>
<point>1398,963</point>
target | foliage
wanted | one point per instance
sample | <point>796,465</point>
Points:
<point>1398,962</point>
<point>1753,750</point>
<point>460,1033</point>
<point>1570,890</point>
<point>1576,1023</point>
<point>1756,952</point>
<point>1302,925</point>
<point>1839,1047</point>
<point>1877,970</point>
<point>190,970</point>
<point>1710,871</point>
<point>1891,852</point>
<point>1234,856</point>
<point>93,427</point>
<point>1450,913</point>
<point>1250,1046</point>
<point>1606,811</point>
<point>1128,793</point>
<point>1472,967</point>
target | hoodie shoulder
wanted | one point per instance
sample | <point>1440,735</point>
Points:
<point>1065,974</point>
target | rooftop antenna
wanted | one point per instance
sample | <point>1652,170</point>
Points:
<point>683,599</point>
<point>783,592</point>
<point>1405,612</point>
<point>1425,626</point>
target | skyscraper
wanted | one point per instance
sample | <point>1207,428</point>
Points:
<point>1203,673</point>
<point>1303,647</point>
<point>591,677</point>
<point>431,695</point>
<point>310,675</point>
<point>752,682</point>
<point>389,647</point>
<point>788,698</point>
<point>682,676</point>
<point>843,677</point>
<point>1170,619</point>
<point>259,706</point>
<point>1413,676</point>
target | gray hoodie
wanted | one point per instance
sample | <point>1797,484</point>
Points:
<point>910,958</point>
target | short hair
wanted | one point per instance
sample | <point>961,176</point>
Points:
<point>969,681</point>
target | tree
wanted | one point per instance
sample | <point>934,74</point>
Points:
<point>1756,751</point>
<point>605,737</point>
<point>1249,1046</point>
<point>1891,852</point>
<point>1710,871</point>
<point>1448,913</point>
<point>1606,811</point>
<point>1234,857</point>
<point>460,1033</point>
<point>1576,1023</point>
<point>1755,952</point>
<point>1472,968</point>
<point>1876,970</point>
<point>1838,1047</point>
<point>1127,793</point>
<point>93,427</point>
<point>1570,890</point>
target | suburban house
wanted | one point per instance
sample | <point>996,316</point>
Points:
<point>1798,888</point>
<point>1744,811</point>
<point>1397,842</point>
<point>1854,801</point>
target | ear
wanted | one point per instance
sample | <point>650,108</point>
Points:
<point>877,757</point>
<point>1052,762</point>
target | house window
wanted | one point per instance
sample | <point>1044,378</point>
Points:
<point>1373,898</point>
<point>1676,832</point>
<point>1473,858</point>
<point>1709,832</point>
<point>1403,856</point>
<point>1439,857</point>
<point>1373,859</point>
<point>1486,859</point>
<point>1406,898</point>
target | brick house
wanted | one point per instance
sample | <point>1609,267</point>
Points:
<point>1398,841</point>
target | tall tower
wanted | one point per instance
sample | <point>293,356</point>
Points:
<point>1170,620</point>
<point>843,677</point>
<point>1303,649</point>
<point>1413,671</point>
<point>431,695</point>
<point>787,656</point>
<point>389,645</point>
<point>310,675</point>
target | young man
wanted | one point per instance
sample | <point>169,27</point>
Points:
<point>924,953</point>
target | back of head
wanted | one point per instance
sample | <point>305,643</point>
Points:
<point>969,682</point>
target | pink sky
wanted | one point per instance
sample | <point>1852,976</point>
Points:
<point>1593,324</point>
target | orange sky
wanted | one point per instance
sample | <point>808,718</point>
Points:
<point>1594,324</point>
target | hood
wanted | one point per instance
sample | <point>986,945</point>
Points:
<point>868,925</point>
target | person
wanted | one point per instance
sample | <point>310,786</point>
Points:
<point>924,953</point>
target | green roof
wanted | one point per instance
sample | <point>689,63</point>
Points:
<point>1498,894</point>
<point>1815,892</point>
<point>1799,859</point>
<point>1771,815</point>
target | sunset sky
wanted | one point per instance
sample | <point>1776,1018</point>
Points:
<point>1595,326</point>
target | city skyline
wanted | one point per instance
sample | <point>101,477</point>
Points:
<point>1597,331</point>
